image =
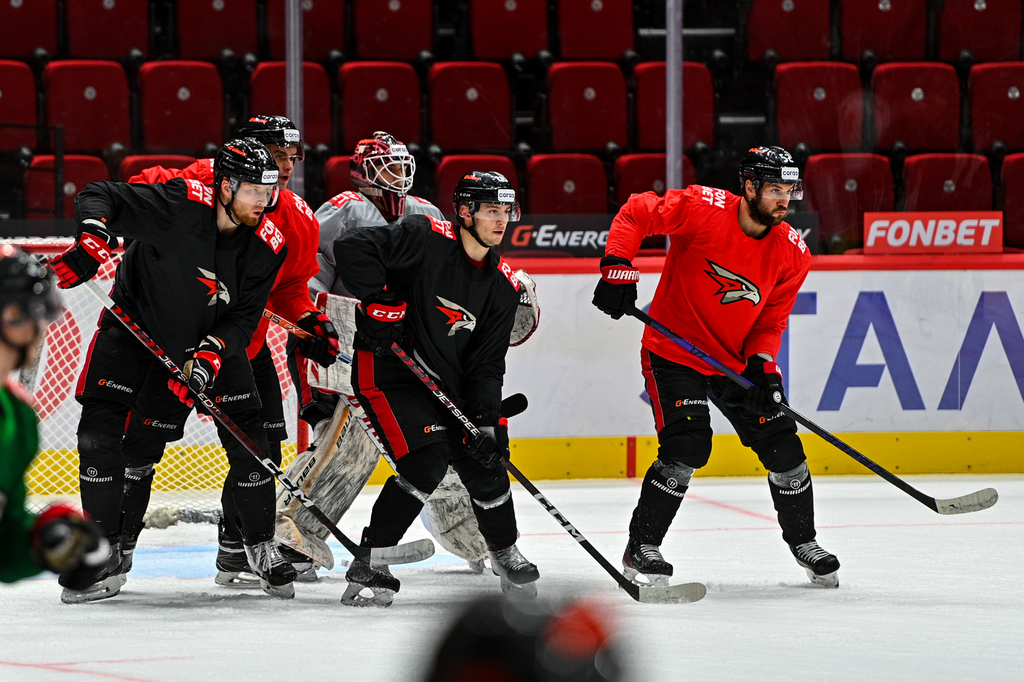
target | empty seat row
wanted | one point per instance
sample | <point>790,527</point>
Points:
<point>384,29</point>
<point>821,104</point>
<point>181,104</point>
<point>894,30</point>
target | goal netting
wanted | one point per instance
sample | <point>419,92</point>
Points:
<point>192,471</point>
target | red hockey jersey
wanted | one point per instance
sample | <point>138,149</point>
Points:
<point>728,294</point>
<point>290,296</point>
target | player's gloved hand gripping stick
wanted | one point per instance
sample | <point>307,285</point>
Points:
<point>982,499</point>
<point>674,594</point>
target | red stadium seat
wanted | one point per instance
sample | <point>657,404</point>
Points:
<point>990,31</point>
<point>947,182</point>
<point>502,28</point>
<point>267,96</point>
<point>206,28</point>
<point>841,187</point>
<point>17,104</point>
<point>638,173</point>
<point>470,107</point>
<point>378,96</point>
<point>996,106</point>
<point>698,105</point>
<point>387,30</point>
<point>101,29</point>
<point>587,103</point>
<point>595,29</point>
<point>917,103</point>
<point>323,29</point>
<point>819,104</point>
<point>452,168</point>
<point>79,171</point>
<point>892,29</point>
<point>1013,201</point>
<point>336,176</point>
<point>133,165</point>
<point>181,106</point>
<point>90,98</point>
<point>566,183</point>
<point>788,31</point>
<point>27,26</point>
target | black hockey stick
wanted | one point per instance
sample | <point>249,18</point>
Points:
<point>982,499</point>
<point>673,594</point>
<point>216,413</point>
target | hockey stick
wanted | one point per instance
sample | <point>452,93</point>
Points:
<point>982,499</point>
<point>298,331</point>
<point>674,594</point>
<point>216,413</point>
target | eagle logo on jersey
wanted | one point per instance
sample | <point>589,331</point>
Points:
<point>217,288</point>
<point>458,317</point>
<point>733,287</point>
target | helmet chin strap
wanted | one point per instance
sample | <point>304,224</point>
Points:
<point>472,230</point>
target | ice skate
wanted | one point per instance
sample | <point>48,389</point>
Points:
<point>646,560</point>
<point>128,542</point>
<point>277,577</point>
<point>108,585</point>
<point>822,568</point>
<point>476,565</point>
<point>232,565</point>
<point>363,578</point>
<point>305,571</point>
<point>518,575</point>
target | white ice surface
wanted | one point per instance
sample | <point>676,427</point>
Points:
<point>922,596</point>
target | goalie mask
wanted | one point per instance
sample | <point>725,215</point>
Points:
<point>527,312</point>
<point>382,168</point>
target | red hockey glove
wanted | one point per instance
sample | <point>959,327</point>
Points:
<point>615,294</point>
<point>490,447</point>
<point>765,396</point>
<point>322,348</point>
<point>64,541</point>
<point>379,322</point>
<point>82,261</point>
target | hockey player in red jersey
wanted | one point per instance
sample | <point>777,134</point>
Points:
<point>290,299</point>
<point>730,280</point>
<point>196,278</point>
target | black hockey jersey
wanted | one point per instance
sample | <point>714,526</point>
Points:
<point>180,278</point>
<point>458,317</point>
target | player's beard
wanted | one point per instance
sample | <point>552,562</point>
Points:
<point>245,220</point>
<point>766,218</point>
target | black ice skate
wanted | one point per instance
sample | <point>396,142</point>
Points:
<point>646,560</point>
<point>232,565</point>
<point>277,577</point>
<point>822,567</point>
<point>517,574</point>
<point>108,585</point>
<point>305,572</point>
<point>128,542</point>
<point>369,586</point>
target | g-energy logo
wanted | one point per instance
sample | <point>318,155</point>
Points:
<point>549,237</point>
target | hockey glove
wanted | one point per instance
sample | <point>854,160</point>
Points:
<point>379,322</point>
<point>64,541</point>
<point>490,446</point>
<point>201,370</point>
<point>82,261</point>
<point>322,348</point>
<point>615,294</point>
<point>765,396</point>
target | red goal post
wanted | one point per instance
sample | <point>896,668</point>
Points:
<point>192,470</point>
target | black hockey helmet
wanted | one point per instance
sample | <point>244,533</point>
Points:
<point>27,283</point>
<point>771,164</point>
<point>382,168</point>
<point>276,130</point>
<point>477,187</point>
<point>245,160</point>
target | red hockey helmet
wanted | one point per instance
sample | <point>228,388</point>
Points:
<point>382,168</point>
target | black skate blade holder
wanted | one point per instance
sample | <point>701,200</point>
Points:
<point>673,594</point>
<point>972,502</point>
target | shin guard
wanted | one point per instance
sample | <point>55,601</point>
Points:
<point>793,497</point>
<point>660,496</point>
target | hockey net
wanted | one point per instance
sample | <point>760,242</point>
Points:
<point>192,471</point>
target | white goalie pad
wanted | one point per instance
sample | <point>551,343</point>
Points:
<point>338,377</point>
<point>448,516</point>
<point>331,474</point>
<point>528,311</point>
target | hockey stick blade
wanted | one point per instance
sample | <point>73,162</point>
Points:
<point>983,499</point>
<point>685,593</point>
<point>404,553</point>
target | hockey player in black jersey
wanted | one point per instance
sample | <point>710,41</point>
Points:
<point>442,293</point>
<point>196,278</point>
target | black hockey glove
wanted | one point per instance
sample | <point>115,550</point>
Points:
<point>82,261</point>
<point>615,294</point>
<point>490,446</point>
<point>322,348</point>
<point>201,370</point>
<point>379,322</point>
<point>64,541</point>
<point>766,394</point>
